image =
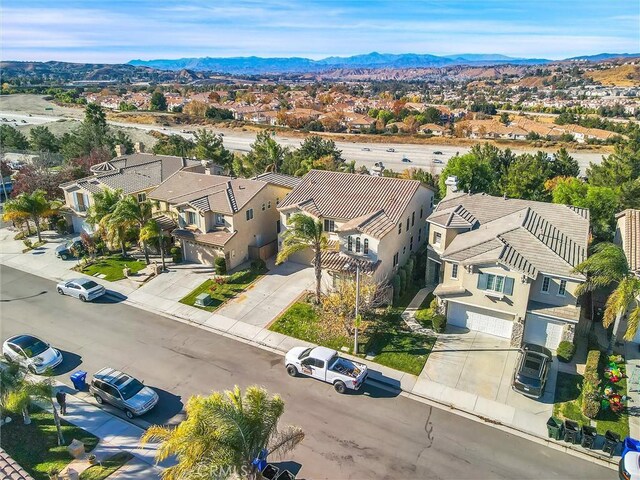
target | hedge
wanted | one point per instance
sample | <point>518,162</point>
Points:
<point>396,284</point>
<point>590,390</point>
<point>220,266</point>
<point>403,280</point>
<point>439,322</point>
<point>565,351</point>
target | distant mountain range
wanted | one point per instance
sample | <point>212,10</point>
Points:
<point>374,60</point>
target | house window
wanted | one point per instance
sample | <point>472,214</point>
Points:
<point>545,285</point>
<point>250,214</point>
<point>404,250</point>
<point>495,283</point>
<point>329,226</point>
<point>350,243</point>
<point>437,238</point>
<point>419,235</point>
<point>358,245</point>
<point>277,201</point>
<point>411,243</point>
<point>191,218</point>
<point>454,270</point>
<point>421,212</point>
<point>142,197</point>
<point>269,204</point>
<point>563,288</point>
<point>407,224</point>
<point>399,228</point>
<point>264,207</point>
<point>413,219</point>
<point>219,219</point>
<point>395,259</point>
<point>366,246</point>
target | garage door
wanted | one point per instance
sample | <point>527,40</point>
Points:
<point>479,320</point>
<point>543,331</point>
<point>194,252</point>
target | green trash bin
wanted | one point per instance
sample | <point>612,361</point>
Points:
<point>554,428</point>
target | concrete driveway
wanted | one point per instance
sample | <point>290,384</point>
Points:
<point>267,298</point>
<point>475,369</point>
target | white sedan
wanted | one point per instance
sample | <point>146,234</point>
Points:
<point>82,288</point>
<point>32,353</point>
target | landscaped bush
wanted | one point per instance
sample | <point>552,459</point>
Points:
<point>565,351</point>
<point>590,393</point>
<point>61,226</point>
<point>409,269</point>
<point>258,265</point>
<point>220,266</point>
<point>434,304</point>
<point>397,285</point>
<point>176,253</point>
<point>439,322</point>
<point>403,280</point>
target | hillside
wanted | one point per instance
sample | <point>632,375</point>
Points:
<point>620,76</point>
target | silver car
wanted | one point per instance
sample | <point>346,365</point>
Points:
<point>32,353</point>
<point>82,288</point>
<point>122,391</point>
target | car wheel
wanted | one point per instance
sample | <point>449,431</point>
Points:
<point>60,291</point>
<point>64,256</point>
<point>292,370</point>
<point>8,358</point>
<point>129,414</point>
<point>99,399</point>
<point>32,369</point>
<point>82,298</point>
<point>340,387</point>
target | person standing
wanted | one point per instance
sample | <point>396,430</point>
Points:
<point>61,397</point>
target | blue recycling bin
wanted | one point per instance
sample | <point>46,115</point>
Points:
<point>79,379</point>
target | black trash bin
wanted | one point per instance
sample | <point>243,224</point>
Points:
<point>554,428</point>
<point>286,475</point>
<point>571,431</point>
<point>589,435</point>
<point>611,441</point>
<point>270,472</point>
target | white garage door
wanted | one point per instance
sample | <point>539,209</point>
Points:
<point>479,320</point>
<point>194,252</point>
<point>543,331</point>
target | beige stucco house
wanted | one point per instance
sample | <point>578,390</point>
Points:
<point>628,237</point>
<point>135,174</point>
<point>220,216</point>
<point>505,266</point>
<point>376,222</point>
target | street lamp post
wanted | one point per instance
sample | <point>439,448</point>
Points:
<point>356,321</point>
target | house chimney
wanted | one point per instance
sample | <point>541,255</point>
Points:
<point>120,150</point>
<point>209,167</point>
<point>452,184</point>
<point>138,147</point>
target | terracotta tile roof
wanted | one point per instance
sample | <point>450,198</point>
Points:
<point>10,470</point>
<point>565,312</point>
<point>630,240</point>
<point>347,196</point>
<point>217,239</point>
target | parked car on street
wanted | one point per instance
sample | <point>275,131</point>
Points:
<point>70,249</point>
<point>437,160</point>
<point>122,391</point>
<point>391,149</point>
<point>366,149</point>
<point>437,152</point>
<point>31,353</point>
<point>326,365</point>
<point>405,160</point>
<point>532,370</point>
<point>82,288</point>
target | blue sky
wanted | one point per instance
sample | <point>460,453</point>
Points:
<point>120,30</point>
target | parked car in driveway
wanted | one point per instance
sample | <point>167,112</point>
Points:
<point>82,288</point>
<point>70,249</point>
<point>122,391</point>
<point>532,370</point>
<point>32,353</point>
<point>326,365</point>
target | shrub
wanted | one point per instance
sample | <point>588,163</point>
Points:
<point>590,403</point>
<point>396,284</point>
<point>258,265</point>
<point>565,351</point>
<point>434,304</point>
<point>424,315</point>
<point>403,280</point>
<point>590,392</point>
<point>61,226</point>
<point>27,243</point>
<point>409,269</point>
<point>176,253</point>
<point>439,322</point>
<point>220,265</point>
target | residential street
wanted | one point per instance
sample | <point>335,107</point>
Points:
<point>372,434</point>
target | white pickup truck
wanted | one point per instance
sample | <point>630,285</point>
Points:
<point>325,364</point>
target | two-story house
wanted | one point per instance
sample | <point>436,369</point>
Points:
<point>219,216</point>
<point>374,221</point>
<point>135,174</point>
<point>628,238</point>
<point>506,266</point>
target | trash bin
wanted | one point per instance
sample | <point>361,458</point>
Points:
<point>571,431</point>
<point>589,435</point>
<point>79,379</point>
<point>286,475</point>
<point>630,445</point>
<point>270,472</point>
<point>611,441</point>
<point>554,428</point>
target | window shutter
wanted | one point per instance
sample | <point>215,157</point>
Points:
<point>482,281</point>
<point>508,285</point>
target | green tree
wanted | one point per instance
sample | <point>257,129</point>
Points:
<point>266,155</point>
<point>606,267</point>
<point>431,115</point>
<point>500,160</point>
<point>12,138</point>
<point>304,232</point>
<point>42,140</point>
<point>33,206</point>
<point>474,175</point>
<point>104,203</point>
<point>173,145</point>
<point>158,102</point>
<point>314,153</point>
<point>209,146</point>
<point>526,177</point>
<point>504,118</point>
<point>91,134</point>
<point>224,431</point>
<point>564,165</point>
<point>129,211</point>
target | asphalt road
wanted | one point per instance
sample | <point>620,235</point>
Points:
<point>369,435</point>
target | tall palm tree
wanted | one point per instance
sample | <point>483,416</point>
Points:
<point>304,232</point>
<point>223,433</point>
<point>114,230</point>
<point>607,266</point>
<point>34,206</point>
<point>104,203</point>
<point>152,232</point>
<point>130,211</point>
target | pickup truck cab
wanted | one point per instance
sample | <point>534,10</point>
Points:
<point>326,365</point>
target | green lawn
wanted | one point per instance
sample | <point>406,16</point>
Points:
<point>35,446</point>
<point>112,267</point>
<point>220,293</point>
<point>109,466</point>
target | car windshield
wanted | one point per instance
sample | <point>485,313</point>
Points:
<point>89,285</point>
<point>35,348</point>
<point>131,388</point>
<point>304,354</point>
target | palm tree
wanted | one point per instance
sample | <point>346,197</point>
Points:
<point>152,232</point>
<point>33,206</point>
<point>305,232</point>
<point>223,433</point>
<point>130,211</point>
<point>104,203</point>
<point>608,266</point>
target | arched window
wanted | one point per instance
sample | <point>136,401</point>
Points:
<point>350,243</point>
<point>366,246</point>
<point>358,245</point>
